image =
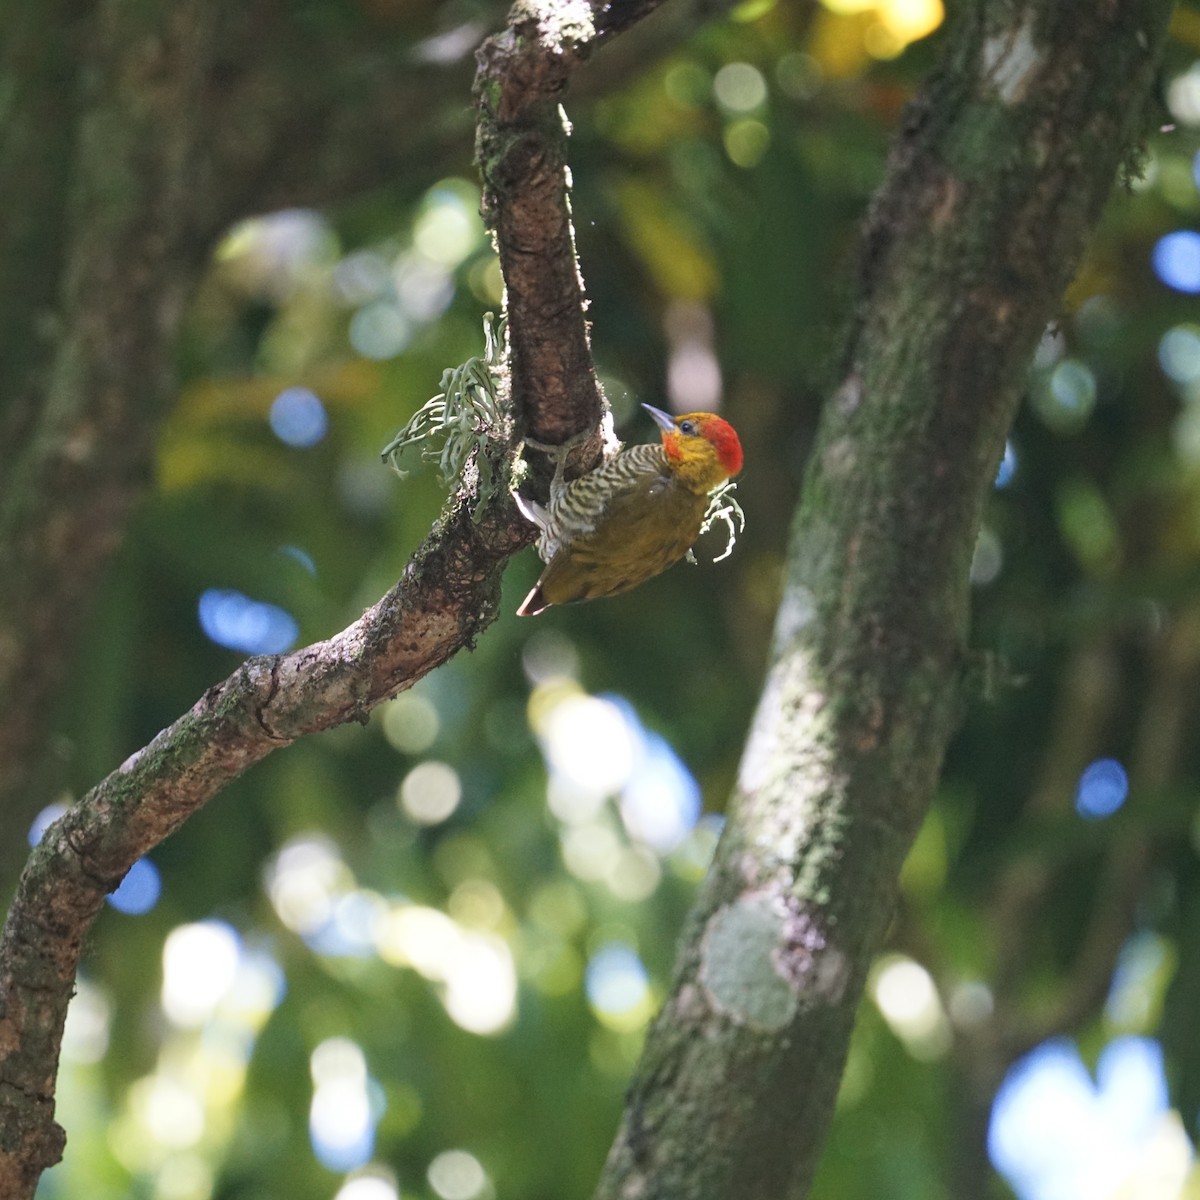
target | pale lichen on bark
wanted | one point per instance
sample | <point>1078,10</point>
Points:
<point>738,963</point>
<point>1010,57</point>
<point>764,955</point>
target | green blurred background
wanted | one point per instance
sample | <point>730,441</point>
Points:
<point>416,958</point>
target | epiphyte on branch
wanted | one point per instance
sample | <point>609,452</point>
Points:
<point>466,414</point>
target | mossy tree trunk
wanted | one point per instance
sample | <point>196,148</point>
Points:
<point>132,136</point>
<point>999,173</point>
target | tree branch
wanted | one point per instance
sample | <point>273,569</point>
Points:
<point>522,144</point>
<point>447,596</point>
<point>261,108</point>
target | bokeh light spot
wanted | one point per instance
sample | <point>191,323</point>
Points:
<point>1066,396</point>
<point>1073,386</point>
<point>971,1003</point>
<point>634,875</point>
<point>481,984</point>
<point>449,228</point>
<point>1183,96</point>
<point>618,987</point>
<point>361,277</point>
<point>660,802</point>
<point>430,792</point>
<point>908,20</point>
<point>139,891</point>
<point>85,1033</point>
<point>418,937</point>
<point>1056,1133</point>
<point>687,84</point>
<point>477,904</point>
<point>354,929</point>
<point>693,371</point>
<point>746,141</point>
<point>341,1124</point>
<point>371,1184</point>
<point>304,879</point>
<point>586,739</point>
<point>233,620</point>
<point>43,821</point>
<point>549,655</point>
<point>1103,788</point>
<point>424,289</point>
<point>184,1176</point>
<point>410,723</point>
<point>907,997</point>
<point>457,1175</point>
<point>199,964</point>
<point>591,852</point>
<point>739,87</point>
<point>1145,965</point>
<point>298,418</point>
<point>274,255</point>
<point>1008,466</point>
<point>169,1111</point>
<point>380,330</point>
<point>1176,260</point>
<point>1179,354</point>
<point>988,559</point>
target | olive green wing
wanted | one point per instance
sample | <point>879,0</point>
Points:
<point>638,532</point>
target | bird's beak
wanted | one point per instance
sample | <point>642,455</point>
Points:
<point>663,420</point>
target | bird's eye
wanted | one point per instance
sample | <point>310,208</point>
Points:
<point>688,427</point>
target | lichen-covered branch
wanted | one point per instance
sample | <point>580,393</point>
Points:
<point>446,597</point>
<point>132,137</point>
<point>521,145</point>
<point>997,176</point>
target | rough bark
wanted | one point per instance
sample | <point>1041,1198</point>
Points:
<point>1000,170</point>
<point>132,138</point>
<point>523,138</point>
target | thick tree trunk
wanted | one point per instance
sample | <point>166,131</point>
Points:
<point>132,137</point>
<point>999,173</point>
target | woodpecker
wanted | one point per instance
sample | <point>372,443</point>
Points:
<point>633,516</point>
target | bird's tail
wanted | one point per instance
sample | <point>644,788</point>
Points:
<point>534,603</point>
